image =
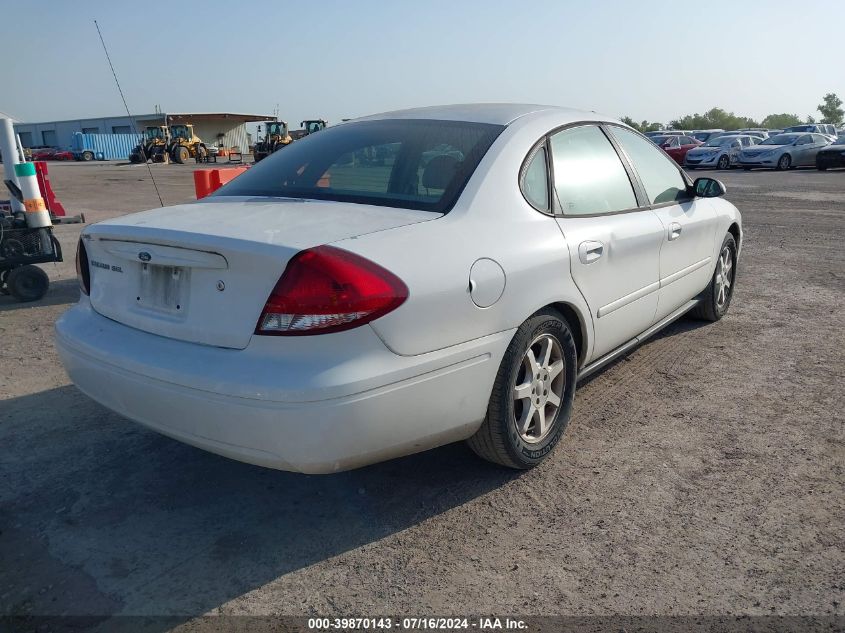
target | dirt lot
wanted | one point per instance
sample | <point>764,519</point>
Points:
<point>703,474</point>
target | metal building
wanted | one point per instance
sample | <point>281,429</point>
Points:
<point>226,129</point>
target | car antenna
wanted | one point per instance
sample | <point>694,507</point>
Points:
<point>131,118</point>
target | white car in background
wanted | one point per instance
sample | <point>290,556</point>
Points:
<point>356,297</point>
<point>827,129</point>
<point>720,152</point>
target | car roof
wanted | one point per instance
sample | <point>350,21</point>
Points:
<point>495,113</point>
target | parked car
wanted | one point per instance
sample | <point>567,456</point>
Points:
<point>63,154</point>
<point>297,319</point>
<point>705,135</point>
<point>784,151</point>
<point>676,146</point>
<point>818,128</point>
<point>831,156</point>
<point>755,133</point>
<point>43,153</point>
<point>721,152</point>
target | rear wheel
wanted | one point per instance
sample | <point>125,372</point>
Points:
<point>784,162</point>
<point>724,162</point>
<point>27,283</point>
<point>532,396</point>
<point>716,298</point>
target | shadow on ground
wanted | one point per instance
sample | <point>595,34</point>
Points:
<point>99,516</point>
<point>60,292</point>
<point>684,324</point>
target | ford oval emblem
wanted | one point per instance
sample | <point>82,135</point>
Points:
<point>144,256</point>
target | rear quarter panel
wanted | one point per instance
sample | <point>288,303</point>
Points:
<point>491,220</point>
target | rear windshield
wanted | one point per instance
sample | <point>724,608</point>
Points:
<point>411,164</point>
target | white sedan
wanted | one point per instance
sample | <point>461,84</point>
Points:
<point>396,283</point>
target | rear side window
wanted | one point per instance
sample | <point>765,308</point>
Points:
<point>405,163</point>
<point>535,181</point>
<point>662,180</point>
<point>589,177</point>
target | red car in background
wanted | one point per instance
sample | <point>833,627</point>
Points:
<point>51,153</point>
<point>676,146</point>
<point>43,153</point>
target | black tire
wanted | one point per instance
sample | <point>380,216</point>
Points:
<point>27,283</point>
<point>181,154</point>
<point>709,307</point>
<point>87,156</point>
<point>784,162</point>
<point>747,168</point>
<point>498,439</point>
<point>821,167</point>
<point>724,162</point>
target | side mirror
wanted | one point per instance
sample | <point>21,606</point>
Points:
<point>708,188</point>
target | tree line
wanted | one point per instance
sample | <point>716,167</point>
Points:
<point>717,118</point>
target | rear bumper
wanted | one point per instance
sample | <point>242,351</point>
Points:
<point>275,403</point>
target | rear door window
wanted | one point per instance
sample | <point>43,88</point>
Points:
<point>589,177</point>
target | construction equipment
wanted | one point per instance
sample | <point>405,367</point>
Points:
<point>154,145</point>
<point>309,126</point>
<point>20,248</point>
<point>26,238</point>
<point>184,144</point>
<point>276,138</point>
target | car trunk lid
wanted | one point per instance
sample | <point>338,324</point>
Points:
<point>202,272</point>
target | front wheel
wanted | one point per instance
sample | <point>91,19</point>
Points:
<point>532,395</point>
<point>716,298</point>
<point>724,162</point>
<point>784,162</point>
<point>87,156</point>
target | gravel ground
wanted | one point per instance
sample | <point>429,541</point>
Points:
<point>702,474</point>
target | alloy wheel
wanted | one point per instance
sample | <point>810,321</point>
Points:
<point>538,389</point>
<point>724,277</point>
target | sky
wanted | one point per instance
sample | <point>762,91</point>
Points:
<point>648,59</point>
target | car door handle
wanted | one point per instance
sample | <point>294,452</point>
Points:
<point>674,231</point>
<point>589,251</point>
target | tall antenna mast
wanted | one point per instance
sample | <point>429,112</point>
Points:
<point>131,118</point>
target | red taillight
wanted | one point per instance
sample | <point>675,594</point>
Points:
<point>83,273</point>
<point>326,289</point>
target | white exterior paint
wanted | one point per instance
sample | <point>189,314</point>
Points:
<point>419,376</point>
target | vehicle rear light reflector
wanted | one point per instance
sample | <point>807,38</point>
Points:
<point>327,289</point>
<point>83,272</point>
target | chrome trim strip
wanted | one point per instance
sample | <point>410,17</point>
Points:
<point>683,272</point>
<point>621,303</point>
<point>619,351</point>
